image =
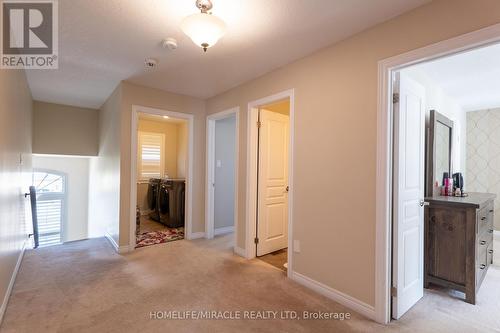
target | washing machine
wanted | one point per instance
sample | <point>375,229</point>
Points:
<point>171,202</point>
<point>152,198</point>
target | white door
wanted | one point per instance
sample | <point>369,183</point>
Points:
<point>272,226</point>
<point>408,233</point>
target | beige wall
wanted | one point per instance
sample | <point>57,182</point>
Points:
<point>335,113</point>
<point>104,185</point>
<point>15,177</point>
<point>138,95</point>
<point>64,130</point>
<point>182,150</point>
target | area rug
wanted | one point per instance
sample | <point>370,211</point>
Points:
<point>158,237</point>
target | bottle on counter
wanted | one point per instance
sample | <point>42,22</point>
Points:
<point>446,186</point>
<point>450,187</point>
<point>436,190</point>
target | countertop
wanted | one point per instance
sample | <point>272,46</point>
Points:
<point>474,199</point>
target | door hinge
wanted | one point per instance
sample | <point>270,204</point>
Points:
<point>395,98</point>
<point>256,240</point>
<point>394,292</point>
<point>259,124</point>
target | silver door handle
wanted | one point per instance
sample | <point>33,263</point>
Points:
<point>424,203</point>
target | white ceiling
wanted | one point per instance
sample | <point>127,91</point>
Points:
<point>472,78</point>
<point>102,42</point>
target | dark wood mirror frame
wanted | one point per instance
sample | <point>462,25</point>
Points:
<point>435,118</point>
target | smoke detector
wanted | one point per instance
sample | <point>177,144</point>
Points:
<point>151,63</point>
<point>169,43</point>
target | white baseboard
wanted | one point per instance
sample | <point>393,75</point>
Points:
<point>12,281</point>
<point>223,230</point>
<point>118,249</point>
<point>239,251</point>
<point>339,297</point>
<point>196,235</point>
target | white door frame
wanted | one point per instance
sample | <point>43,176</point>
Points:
<point>136,109</point>
<point>252,167</point>
<point>386,67</point>
<point>210,169</point>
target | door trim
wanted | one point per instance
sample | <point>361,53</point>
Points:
<point>386,68</point>
<point>252,167</point>
<point>136,109</point>
<point>210,231</point>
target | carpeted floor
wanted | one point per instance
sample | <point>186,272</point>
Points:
<point>86,287</point>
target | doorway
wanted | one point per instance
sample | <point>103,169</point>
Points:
<point>161,176</point>
<point>401,195</point>
<point>269,219</point>
<point>222,173</point>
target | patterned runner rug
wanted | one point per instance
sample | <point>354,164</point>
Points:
<point>158,237</point>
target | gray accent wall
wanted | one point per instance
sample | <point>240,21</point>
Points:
<point>225,150</point>
<point>483,154</point>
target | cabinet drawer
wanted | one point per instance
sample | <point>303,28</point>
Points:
<point>485,219</point>
<point>489,254</point>
<point>483,242</point>
<point>481,267</point>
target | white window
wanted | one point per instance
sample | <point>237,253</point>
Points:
<point>50,205</point>
<point>151,155</point>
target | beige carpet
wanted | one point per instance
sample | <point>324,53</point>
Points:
<point>86,287</point>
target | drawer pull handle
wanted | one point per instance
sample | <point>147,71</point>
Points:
<point>490,231</point>
<point>491,210</point>
<point>483,218</point>
<point>482,266</point>
<point>490,251</point>
<point>483,242</point>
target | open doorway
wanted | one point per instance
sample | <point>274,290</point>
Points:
<point>269,220</point>
<point>272,183</point>
<point>162,144</point>
<point>222,173</point>
<point>445,190</point>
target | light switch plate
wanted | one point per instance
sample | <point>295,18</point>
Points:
<point>296,246</point>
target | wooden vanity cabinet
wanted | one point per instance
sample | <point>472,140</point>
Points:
<point>459,242</point>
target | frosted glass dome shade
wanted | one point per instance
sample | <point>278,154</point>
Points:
<point>204,29</point>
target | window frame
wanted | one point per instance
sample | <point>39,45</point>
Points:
<point>140,135</point>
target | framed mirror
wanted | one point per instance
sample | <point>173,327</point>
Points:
<point>439,150</point>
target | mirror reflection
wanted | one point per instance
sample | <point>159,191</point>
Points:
<point>442,137</point>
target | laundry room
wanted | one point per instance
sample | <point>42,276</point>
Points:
<point>162,145</point>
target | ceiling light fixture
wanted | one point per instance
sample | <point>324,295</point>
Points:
<point>204,29</point>
<point>166,117</point>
